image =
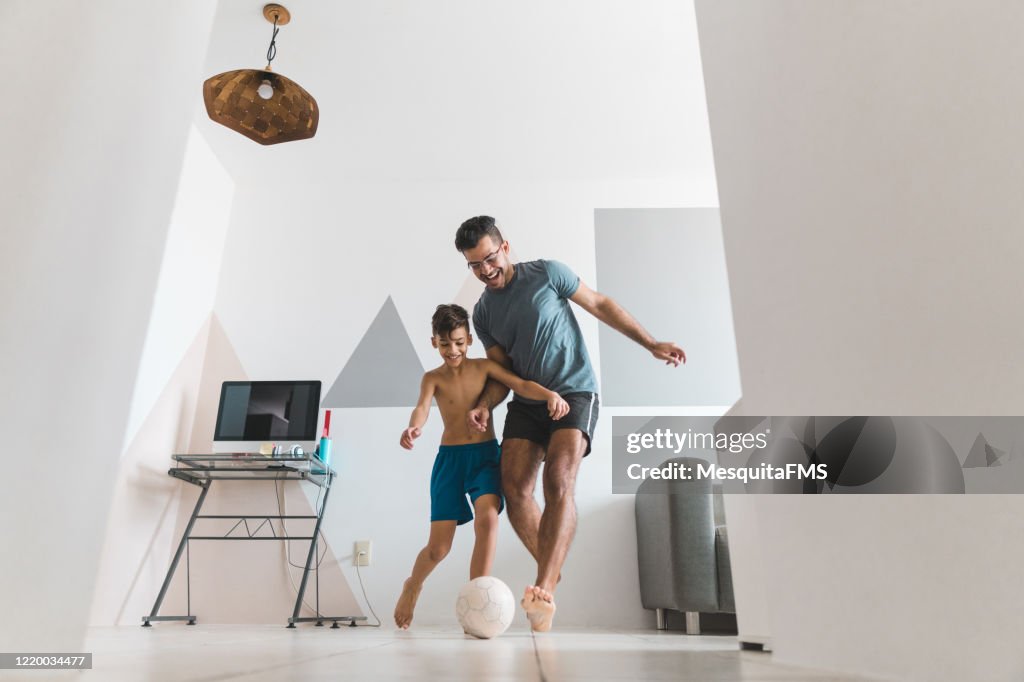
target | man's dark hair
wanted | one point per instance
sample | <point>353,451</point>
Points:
<point>473,230</point>
<point>447,318</point>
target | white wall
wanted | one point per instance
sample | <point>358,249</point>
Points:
<point>868,160</point>
<point>140,535</point>
<point>187,285</point>
<point>103,96</point>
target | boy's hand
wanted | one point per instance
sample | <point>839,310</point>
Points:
<point>557,407</point>
<point>408,436</point>
<point>477,419</point>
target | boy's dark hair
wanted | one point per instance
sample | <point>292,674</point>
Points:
<point>447,318</point>
<point>473,230</point>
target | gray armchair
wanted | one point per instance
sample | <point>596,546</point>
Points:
<point>683,549</point>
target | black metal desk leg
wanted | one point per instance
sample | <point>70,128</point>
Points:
<point>312,553</point>
<point>177,557</point>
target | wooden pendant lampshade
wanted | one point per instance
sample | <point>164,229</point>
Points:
<point>262,105</point>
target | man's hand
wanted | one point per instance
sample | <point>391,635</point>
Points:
<point>408,436</point>
<point>557,407</point>
<point>669,352</point>
<point>477,418</point>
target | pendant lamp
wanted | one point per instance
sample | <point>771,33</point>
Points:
<point>262,105</point>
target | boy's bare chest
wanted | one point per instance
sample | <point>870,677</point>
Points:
<point>462,390</point>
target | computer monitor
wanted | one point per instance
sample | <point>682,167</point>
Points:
<point>252,413</point>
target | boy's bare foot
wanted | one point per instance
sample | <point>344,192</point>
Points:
<point>540,608</point>
<point>406,604</point>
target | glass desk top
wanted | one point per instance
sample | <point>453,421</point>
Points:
<point>250,466</point>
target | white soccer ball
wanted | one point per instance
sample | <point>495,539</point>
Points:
<point>485,607</point>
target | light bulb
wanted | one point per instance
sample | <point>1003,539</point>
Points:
<point>266,90</point>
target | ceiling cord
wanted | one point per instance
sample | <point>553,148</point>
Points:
<point>272,50</point>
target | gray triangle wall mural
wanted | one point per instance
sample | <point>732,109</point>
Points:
<point>384,370</point>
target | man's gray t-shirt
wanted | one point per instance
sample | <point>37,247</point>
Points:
<point>531,319</point>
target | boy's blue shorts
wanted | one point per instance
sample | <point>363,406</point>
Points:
<point>472,469</point>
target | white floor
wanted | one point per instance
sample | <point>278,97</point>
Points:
<point>174,651</point>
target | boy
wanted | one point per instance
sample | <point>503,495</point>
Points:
<point>468,461</point>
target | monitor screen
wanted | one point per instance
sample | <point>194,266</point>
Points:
<point>268,411</point>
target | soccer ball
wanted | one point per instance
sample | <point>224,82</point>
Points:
<point>485,607</point>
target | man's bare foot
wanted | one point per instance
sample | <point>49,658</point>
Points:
<point>406,604</point>
<point>540,608</point>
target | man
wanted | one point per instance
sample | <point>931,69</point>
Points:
<point>526,324</point>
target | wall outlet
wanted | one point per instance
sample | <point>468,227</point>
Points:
<point>362,559</point>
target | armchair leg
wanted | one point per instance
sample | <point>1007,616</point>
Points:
<point>692,623</point>
<point>660,613</point>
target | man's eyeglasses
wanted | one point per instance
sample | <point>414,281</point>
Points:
<point>491,260</point>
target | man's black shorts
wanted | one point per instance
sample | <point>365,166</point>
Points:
<point>531,422</point>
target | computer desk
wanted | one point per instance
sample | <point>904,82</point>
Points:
<point>202,471</point>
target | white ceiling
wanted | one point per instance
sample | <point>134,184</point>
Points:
<point>481,90</point>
